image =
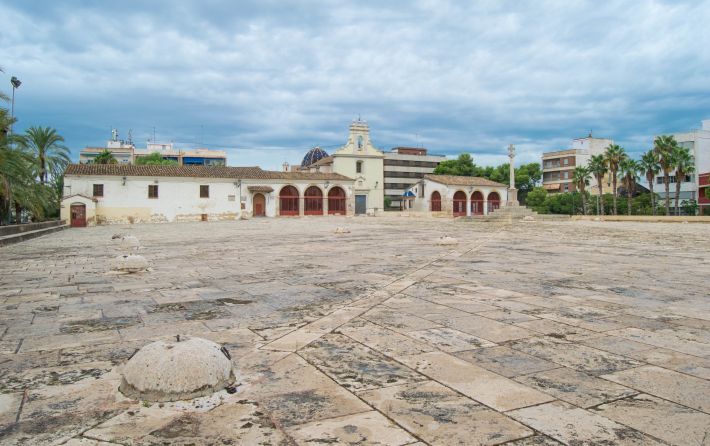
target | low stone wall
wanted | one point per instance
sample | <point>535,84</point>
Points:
<point>645,218</point>
<point>16,229</point>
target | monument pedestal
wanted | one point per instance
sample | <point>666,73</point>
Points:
<point>512,197</point>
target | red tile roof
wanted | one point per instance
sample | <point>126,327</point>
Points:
<point>457,180</point>
<point>246,173</point>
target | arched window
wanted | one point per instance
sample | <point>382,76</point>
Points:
<point>288,201</point>
<point>336,201</point>
<point>459,204</point>
<point>493,201</point>
<point>313,201</point>
<point>436,202</point>
<point>477,203</point>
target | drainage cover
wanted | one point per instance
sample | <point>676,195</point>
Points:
<point>177,370</point>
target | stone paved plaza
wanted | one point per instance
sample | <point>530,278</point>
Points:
<point>523,334</point>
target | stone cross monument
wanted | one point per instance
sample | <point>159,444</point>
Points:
<point>512,191</point>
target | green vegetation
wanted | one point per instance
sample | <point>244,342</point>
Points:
<point>526,176</point>
<point>105,157</point>
<point>388,202</point>
<point>153,159</point>
<point>31,169</point>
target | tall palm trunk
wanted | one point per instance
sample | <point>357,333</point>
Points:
<point>678,183</point>
<point>601,195</point>
<point>653,196</point>
<point>613,181</point>
<point>628,202</point>
<point>667,186</point>
<point>42,169</point>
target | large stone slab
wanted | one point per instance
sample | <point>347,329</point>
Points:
<point>575,387</point>
<point>438,415</point>
<point>677,387</point>
<point>363,428</point>
<point>475,382</point>
<point>354,366</point>
<point>676,424</point>
<point>574,426</point>
<point>506,361</point>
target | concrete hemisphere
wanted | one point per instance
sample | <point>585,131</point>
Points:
<point>177,370</point>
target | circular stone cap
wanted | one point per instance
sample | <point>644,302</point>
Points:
<point>177,370</point>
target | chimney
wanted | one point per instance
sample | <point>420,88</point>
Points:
<point>285,167</point>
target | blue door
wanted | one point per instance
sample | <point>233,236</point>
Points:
<point>360,204</point>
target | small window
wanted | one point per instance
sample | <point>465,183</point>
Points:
<point>358,167</point>
<point>231,198</point>
<point>98,190</point>
<point>566,161</point>
<point>566,187</point>
<point>153,191</point>
<point>204,191</point>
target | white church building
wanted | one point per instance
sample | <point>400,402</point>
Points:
<point>118,193</point>
<point>457,196</point>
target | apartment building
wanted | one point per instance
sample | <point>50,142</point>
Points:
<point>404,167</point>
<point>126,152</point>
<point>698,141</point>
<point>558,166</point>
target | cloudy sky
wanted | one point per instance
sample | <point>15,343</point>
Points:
<point>266,80</point>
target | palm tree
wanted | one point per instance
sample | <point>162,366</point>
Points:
<point>105,157</point>
<point>613,156</point>
<point>629,174</point>
<point>580,177</point>
<point>650,167</point>
<point>597,167</point>
<point>46,146</point>
<point>664,147</point>
<point>684,165</point>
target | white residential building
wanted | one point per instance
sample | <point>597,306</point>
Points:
<point>405,166</point>
<point>698,141</point>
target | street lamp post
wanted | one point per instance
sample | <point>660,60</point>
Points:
<point>15,82</point>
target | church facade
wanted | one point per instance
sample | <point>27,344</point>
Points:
<point>363,162</point>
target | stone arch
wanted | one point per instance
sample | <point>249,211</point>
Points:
<point>493,201</point>
<point>435,201</point>
<point>313,201</point>
<point>336,201</point>
<point>459,203</point>
<point>477,201</point>
<point>288,200</point>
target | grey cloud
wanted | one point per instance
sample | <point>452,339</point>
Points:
<point>464,76</point>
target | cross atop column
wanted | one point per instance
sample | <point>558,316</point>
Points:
<point>512,191</point>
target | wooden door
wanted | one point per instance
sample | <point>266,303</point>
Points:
<point>360,204</point>
<point>78,216</point>
<point>259,203</point>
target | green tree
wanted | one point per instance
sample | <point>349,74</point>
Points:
<point>580,178</point>
<point>536,200</point>
<point>690,207</point>
<point>105,157</point>
<point>629,174</point>
<point>684,165</point>
<point>597,166</point>
<point>155,158</point>
<point>463,165</point>
<point>650,167</point>
<point>613,156</point>
<point>527,176</point>
<point>45,145</point>
<point>664,147</point>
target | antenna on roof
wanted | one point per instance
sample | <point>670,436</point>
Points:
<point>130,136</point>
<point>590,133</point>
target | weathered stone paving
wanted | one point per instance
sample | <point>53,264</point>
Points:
<point>543,333</point>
